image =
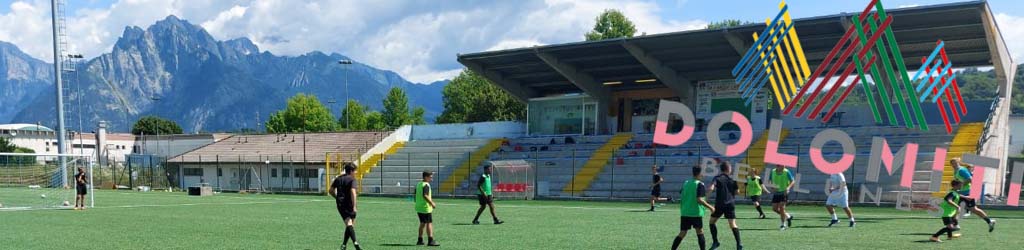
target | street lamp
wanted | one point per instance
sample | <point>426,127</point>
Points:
<point>346,62</point>
<point>156,113</point>
<point>78,97</point>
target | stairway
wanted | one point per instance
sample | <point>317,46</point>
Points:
<point>965,141</point>
<point>366,166</point>
<point>755,155</point>
<point>596,163</point>
<point>475,159</point>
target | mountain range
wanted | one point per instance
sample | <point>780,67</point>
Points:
<point>177,70</point>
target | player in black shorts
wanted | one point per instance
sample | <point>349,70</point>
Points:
<point>656,181</point>
<point>485,194</point>
<point>81,189</point>
<point>725,204</point>
<point>344,192</point>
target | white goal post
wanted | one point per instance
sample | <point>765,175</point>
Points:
<point>37,181</point>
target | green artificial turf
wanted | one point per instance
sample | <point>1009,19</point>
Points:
<point>156,220</point>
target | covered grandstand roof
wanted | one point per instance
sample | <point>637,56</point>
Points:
<point>282,147</point>
<point>25,127</point>
<point>678,59</point>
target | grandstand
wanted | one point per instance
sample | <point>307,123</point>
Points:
<point>604,95</point>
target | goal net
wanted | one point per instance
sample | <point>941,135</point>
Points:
<point>37,181</point>
<point>513,179</point>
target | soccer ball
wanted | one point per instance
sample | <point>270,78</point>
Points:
<point>66,203</point>
<point>42,196</point>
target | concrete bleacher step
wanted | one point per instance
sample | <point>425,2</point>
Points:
<point>461,172</point>
<point>597,162</point>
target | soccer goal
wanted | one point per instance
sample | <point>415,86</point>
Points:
<point>513,179</point>
<point>37,181</point>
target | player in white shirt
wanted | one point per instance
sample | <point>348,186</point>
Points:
<point>838,196</point>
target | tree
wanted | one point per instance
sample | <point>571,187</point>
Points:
<point>396,108</point>
<point>153,125</point>
<point>726,23</point>
<point>375,120</point>
<point>6,146</point>
<point>416,118</point>
<point>611,24</point>
<point>356,115</point>
<point>303,113</point>
<point>471,98</point>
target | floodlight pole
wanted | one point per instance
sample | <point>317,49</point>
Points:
<point>57,71</point>
<point>346,62</point>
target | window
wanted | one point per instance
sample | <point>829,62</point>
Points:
<point>193,171</point>
<point>285,172</point>
<point>273,172</point>
<point>306,173</point>
<point>219,172</point>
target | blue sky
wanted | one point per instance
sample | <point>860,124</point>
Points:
<point>419,39</point>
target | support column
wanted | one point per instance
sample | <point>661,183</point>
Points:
<point>584,82</point>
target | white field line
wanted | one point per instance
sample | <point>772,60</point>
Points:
<point>622,208</point>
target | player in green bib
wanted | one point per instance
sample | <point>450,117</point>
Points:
<point>755,187</point>
<point>950,207</point>
<point>962,173</point>
<point>484,195</point>
<point>783,180</point>
<point>691,209</point>
<point>425,209</point>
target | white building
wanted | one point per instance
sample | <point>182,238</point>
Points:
<point>32,136</point>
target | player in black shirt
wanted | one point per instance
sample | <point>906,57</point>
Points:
<point>344,192</point>
<point>656,181</point>
<point>80,189</point>
<point>725,204</point>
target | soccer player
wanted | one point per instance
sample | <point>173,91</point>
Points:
<point>963,174</point>
<point>783,180</point>
<point>656,188</point>
<point>838,196</point>
<point>344,192</point>
<point>483,194</point>
<point>691,209</point>
<point>755,187</point>
<point>80,189</point>
<point>950,207</point>
<point>725,204</point>
<point>425,208</point>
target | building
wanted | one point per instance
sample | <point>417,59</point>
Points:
<point>270,162</point>
<point>31,136</point>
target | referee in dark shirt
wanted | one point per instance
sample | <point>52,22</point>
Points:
<point>725,203</point>
<point>344,192</point>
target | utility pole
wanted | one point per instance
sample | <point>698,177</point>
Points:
<point>346,62</point>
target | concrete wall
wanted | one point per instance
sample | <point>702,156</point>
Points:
<point>1016,134</point>
<point>468,130</point>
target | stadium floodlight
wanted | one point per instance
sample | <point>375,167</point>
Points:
<point>346,62</point>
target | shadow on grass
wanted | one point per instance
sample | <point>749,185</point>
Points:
<point>640,211</point>
<point>917,234</point>
<point>464,224</point>
<point>925,241</point>
<point>397,245</point>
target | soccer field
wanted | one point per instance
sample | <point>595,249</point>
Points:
<point>131,220</point>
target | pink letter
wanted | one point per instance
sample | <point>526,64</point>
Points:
<point>771,151</point>
<point>661,135</point>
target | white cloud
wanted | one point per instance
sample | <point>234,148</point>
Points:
<point>1012,28</point>
<point>417,39</point>
<point>908,6</point>
<point>28,26</point>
